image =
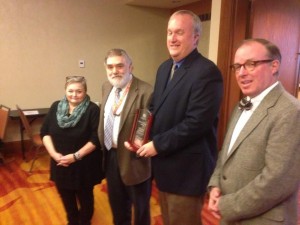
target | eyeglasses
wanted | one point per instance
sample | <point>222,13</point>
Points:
<point>75,78</point>
<point>249,65</point>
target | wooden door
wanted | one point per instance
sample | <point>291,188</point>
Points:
<point>234,27</point>
<point>279,22</point>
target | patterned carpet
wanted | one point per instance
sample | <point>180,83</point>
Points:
<point>31,199</point>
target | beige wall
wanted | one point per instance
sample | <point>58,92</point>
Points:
<point>203,45</point>
<point>214,30</point>
<point>41,42</point>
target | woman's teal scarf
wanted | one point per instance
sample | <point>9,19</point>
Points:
<point>62,114</point>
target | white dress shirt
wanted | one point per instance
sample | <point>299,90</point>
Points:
<point>246,114</point>
<point>109,104</point>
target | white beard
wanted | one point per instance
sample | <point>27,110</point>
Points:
<point>120,82</point>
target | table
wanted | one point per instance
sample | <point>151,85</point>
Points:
<point>32,115</point>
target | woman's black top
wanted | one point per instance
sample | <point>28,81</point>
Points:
<point>83,173</point>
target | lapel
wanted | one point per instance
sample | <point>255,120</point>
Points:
<point>131,96</point>
<point>234,118</point>
<point>166,88</point>
<point>105,93</point>
<point>259,114</point>
<point>163,78</point>
<point>106,89</point>
<point>177,77</point>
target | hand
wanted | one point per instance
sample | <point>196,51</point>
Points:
<point>66,160</point>
<point>56,156</point>
<point>147,150</point>
<point>213,203</point>
<point>129,146</point>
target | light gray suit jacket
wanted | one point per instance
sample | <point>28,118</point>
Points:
<point>133,170</point>
<point>259,179</point>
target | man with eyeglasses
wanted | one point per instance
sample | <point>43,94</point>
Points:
<point>257,175</point>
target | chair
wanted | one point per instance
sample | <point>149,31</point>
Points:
<point>35,139</point>
<point>4,113</point>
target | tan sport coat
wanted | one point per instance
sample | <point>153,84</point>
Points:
<point>133,170</point>
<point>259,179</point>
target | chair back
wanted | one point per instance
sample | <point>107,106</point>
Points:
<point>25,122</point>
<point>35,139</point>
<point>4,113</point>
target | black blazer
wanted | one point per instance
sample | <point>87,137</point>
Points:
<point>185,124</point>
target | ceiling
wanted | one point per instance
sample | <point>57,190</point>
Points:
<point>165,4</point>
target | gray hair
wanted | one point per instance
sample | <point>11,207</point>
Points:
<point>196,20</point>
<point>118,52</point>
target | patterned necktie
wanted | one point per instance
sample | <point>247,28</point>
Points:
<point>108,129</point>
<point>245,104</point>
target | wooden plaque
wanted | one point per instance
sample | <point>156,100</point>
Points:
<point>140,128</point>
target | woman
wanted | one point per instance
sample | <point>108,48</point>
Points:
<point>69,134</point>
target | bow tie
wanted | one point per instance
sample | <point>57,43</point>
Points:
<point>245,104</point>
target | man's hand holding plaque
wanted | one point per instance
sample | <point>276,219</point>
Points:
<point>140,128</point>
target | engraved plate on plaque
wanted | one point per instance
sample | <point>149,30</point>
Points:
<point>140,128</point>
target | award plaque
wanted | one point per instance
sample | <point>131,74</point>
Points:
<point>140,128</point>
